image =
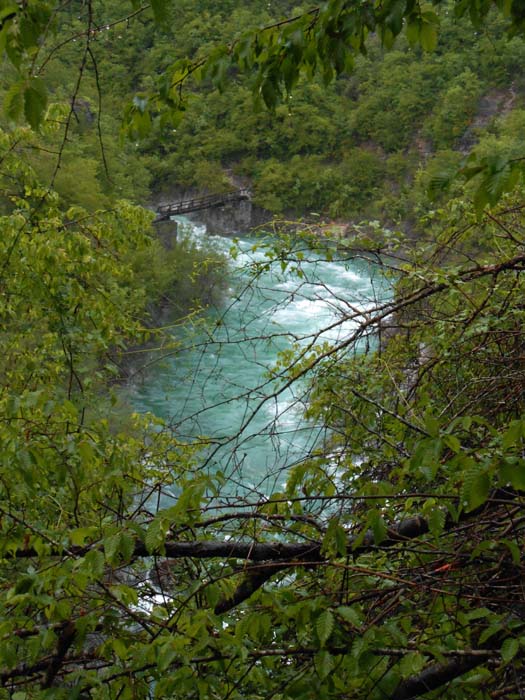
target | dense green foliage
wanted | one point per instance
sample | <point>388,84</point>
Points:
<point>406,100</point>
<point>391,564</point>
<point>375,133</point>
<point>401,102</point>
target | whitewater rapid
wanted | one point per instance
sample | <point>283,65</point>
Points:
<point>220,380</point>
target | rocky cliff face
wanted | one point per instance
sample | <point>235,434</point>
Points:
<point>496,103</point>
<point>232,218</point>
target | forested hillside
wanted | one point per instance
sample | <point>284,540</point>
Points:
<point>365,146</point>
<point>389,563</point>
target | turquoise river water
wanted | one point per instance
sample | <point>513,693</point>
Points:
<point>218,384</point>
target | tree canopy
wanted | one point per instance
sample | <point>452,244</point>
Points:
<point>390,564</point>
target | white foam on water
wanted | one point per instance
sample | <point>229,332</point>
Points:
<point>287,413</point>
<point>350,275</point>
<point>296,313</point>
<point>287,285</point>
<point>279,308</point>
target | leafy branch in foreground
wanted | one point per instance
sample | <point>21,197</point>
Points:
<point>324,39</point>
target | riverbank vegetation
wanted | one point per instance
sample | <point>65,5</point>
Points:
<point>390,564</point>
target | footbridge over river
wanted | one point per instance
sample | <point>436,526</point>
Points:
<point>187,206</point>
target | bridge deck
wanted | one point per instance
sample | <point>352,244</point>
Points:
<point>164,211</point>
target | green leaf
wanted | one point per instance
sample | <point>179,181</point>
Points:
<point>351,615</point>
<point>512,471</point>
<point>270,93</point>
<point>159,8</point>
<point>428,36</point>
<point>93,564</point>
<point>394,19</point>
<point>514,433</point>
<point>86,452</point>
<point>425,458</point>
<point>509,649</point>
<point>140,123</point>
<point>14,102</point>
<point>79,536</point>
<point>431,424</point>
<point>378,525</point>
<point>324,664</point>
<point>478,614</point>
<point>126,546</point>
<point>119,547</point>
<point>436,521</point>
<point>120,649</point>
<point>155,536</point>
<point>9,11</point>
<point>335,540</point>
<point>440,183</point>
<point>125,594</point>
<point>476,487</point>
<point>412,31</point>
<point>411,664</point>
<point>28,32</point>
<point>324,626</point>
<point>166,656</point>
<point>514,550</point>
<point>35,102</point>
<point>498,175</point>
<point>490,632</point>
<point>452,442</point>
<point>111,548</point>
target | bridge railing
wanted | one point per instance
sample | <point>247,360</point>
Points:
<point>164,211</point>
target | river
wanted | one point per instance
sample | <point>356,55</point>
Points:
<point>218,383</point>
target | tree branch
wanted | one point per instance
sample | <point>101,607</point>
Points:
<point>254,578</point>
<point>294,553</point>
<point>65,640</point>
<point>435,676</point>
